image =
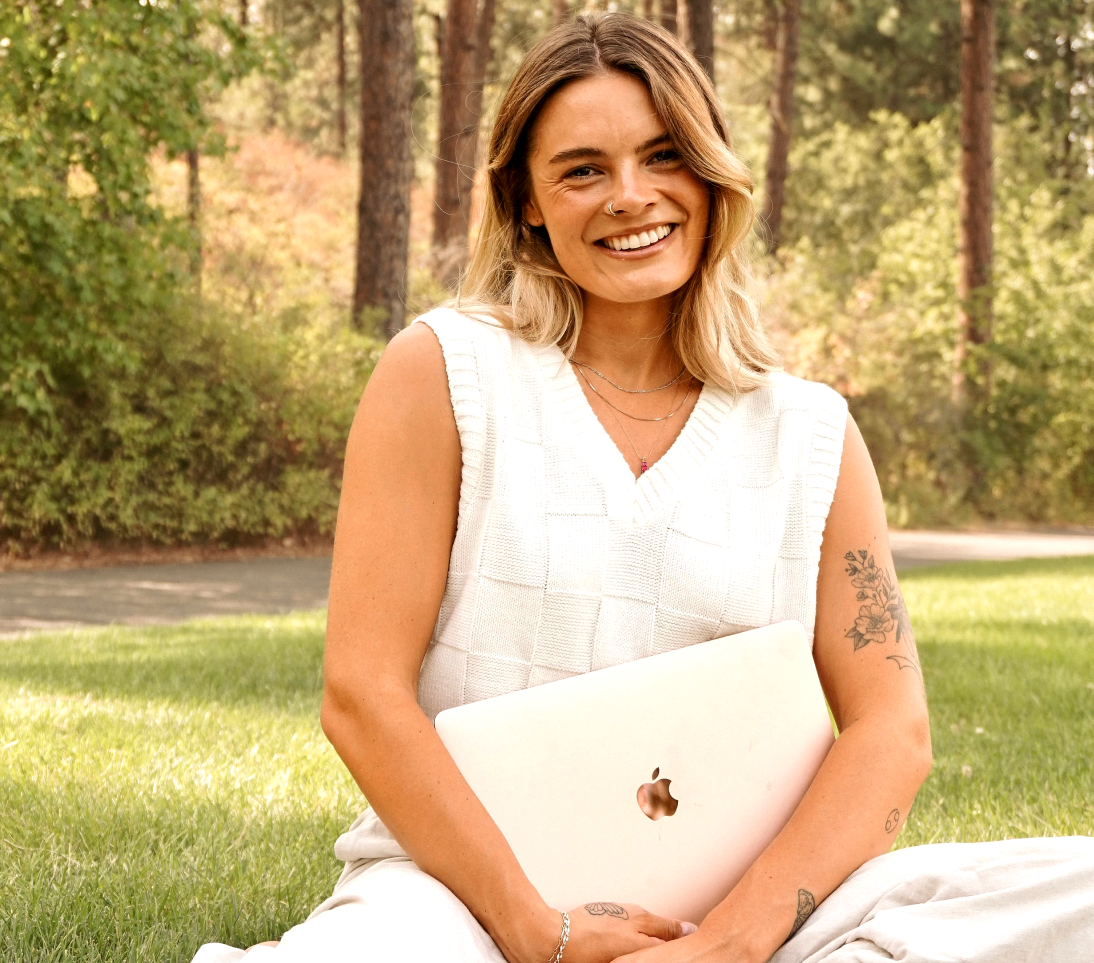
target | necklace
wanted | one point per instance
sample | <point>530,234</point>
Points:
<point>630,391</point>
<point>643,459</point>
<point>592,388</point>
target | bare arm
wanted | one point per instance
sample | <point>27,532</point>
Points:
<point>867,662</point>
<point>396,523</point>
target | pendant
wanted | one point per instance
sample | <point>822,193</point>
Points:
<point>644,467</point>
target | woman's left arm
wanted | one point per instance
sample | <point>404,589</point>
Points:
<point>867,663</point>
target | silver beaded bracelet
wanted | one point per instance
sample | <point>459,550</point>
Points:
<point>563,939</point>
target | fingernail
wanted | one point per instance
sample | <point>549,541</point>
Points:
<point>686,928</point>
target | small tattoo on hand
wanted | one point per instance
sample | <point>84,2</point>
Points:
<point>892,821</point>
<point>806,905</point>
<point>607,909</point>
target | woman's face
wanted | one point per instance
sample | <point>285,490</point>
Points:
<point>599,140</point>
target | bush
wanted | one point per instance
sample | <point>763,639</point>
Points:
<point>867,295</point>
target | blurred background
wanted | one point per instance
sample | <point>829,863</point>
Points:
<point>213,213</point>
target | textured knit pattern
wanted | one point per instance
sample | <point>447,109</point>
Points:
<point>563,562</point>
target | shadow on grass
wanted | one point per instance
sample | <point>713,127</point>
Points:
<point>235,662</point>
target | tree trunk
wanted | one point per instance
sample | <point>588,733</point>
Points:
<point>457,48</point>
<point>243,18</point>
<point>782,114</point>
<point>193,211</point>
<point>974,199</point>
<point>386,29</point>
<point>467,150</point>
<point>668,15</point>
<point>647,9</point>
<point>340,40</point>
<point>560,11</point>
<point>701,33</point>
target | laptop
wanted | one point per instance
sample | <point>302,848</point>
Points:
<point>656,782</point>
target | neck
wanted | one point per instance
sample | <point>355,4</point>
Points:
<point>628,342</point>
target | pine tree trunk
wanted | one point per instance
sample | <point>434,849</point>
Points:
<point>386,29</point>
<point>340,41</point>
<point>457,48</point>
<point>668,15</point>
<point>560,11</point>
<point>467,152</point>
<point>701,33</point>
<point>974,200</point>
<point>647,9</point>
<point>243,18</point>
<point>782,114</point>
<point>193,211</point>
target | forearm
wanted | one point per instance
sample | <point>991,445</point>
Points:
<point>851,813</point>
<point>398,760</point>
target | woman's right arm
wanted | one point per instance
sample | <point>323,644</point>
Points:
<point>396,524</point>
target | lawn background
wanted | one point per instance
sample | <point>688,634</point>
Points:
<point>161,787</point>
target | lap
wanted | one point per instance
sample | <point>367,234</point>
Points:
<point>392,912</point>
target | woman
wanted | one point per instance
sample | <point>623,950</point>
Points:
<point>591,459</point>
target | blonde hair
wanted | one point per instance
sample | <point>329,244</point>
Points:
<point>513,275</point>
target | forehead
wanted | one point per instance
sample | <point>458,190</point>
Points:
<point>611,109</point>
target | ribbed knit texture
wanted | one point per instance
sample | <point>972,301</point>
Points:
<point>563,562</point>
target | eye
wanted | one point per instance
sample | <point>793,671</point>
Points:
<point>582,173</point>
<point>668,155</point>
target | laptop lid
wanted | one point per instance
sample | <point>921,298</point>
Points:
<point>655,782</point>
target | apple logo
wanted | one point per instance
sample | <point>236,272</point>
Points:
<point>654,798</point>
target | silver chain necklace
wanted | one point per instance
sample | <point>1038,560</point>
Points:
<point>631,391</point>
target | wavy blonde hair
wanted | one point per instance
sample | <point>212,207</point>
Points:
<point>513,275</point>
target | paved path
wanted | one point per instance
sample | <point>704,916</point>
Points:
<point>149,594</point>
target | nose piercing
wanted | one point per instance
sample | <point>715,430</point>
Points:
<point>613,212</point>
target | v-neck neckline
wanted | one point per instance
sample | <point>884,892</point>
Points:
<point>644,492</point>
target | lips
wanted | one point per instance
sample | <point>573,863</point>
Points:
<point>639,239</point>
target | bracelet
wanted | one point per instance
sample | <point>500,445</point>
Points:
<point>563,939</point>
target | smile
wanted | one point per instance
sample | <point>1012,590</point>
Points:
<point>641,239</point>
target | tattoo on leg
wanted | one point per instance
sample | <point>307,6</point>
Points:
<point>806,905</point>
<point>892,821</point>
<point>606,909</point>
<point>883,614</point>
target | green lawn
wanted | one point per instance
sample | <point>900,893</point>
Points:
<point>161,787</point>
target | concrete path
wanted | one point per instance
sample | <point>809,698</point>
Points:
<point>150,594</point>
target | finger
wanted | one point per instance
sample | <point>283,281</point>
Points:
<point>665,929</point>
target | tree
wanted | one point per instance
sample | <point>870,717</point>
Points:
<point>340,54</point>
<point>668,15</point>
<point>782,111</point>
<point>701,33</point>
<point>457,47</point>
<point>974,201</point>
<point>560,11</point>
<point>386,30</point>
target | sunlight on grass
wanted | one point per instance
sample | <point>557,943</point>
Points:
<point>160,787</point>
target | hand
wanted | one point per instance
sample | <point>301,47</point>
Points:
<point>601,932</point>
<point>695,947</point>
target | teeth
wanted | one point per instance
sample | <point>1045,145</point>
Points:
<point>645,239</point>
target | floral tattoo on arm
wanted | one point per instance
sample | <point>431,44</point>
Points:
<point>883,615</point>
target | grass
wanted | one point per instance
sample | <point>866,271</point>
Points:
<point>162,787</point>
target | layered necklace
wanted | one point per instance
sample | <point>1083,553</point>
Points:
<point>643,459</point>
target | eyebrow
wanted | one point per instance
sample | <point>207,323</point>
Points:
<point>576,153</point>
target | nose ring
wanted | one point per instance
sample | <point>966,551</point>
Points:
<point>613,212</point>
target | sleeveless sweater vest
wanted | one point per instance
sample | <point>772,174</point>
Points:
<point>564,563</point>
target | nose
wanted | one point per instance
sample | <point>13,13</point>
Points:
<point>632,190</point>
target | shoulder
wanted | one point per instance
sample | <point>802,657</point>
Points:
<point>796,394</point>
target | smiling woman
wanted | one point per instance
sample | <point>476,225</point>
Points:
<point>590,457</point>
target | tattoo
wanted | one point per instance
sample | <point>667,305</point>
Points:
<point>893,819</point>
<point>883,613</point>
<point>606,909</point>
<point>806,905</point>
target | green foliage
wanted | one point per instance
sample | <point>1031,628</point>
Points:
<point>869,296</point>
<point>128,411</point>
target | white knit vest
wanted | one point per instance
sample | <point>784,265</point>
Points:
<point>563,562</point>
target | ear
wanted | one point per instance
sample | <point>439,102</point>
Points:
<point>532,213</point>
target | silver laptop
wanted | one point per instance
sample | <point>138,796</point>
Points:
<point>656,782</point>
